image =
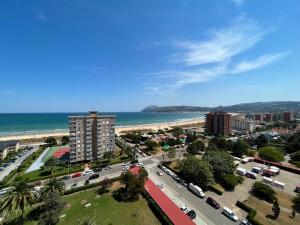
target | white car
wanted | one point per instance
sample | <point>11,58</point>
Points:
<point>125,164</point>
<point>184,208</point>
<point>140,164</point>
<point>227,212</point>
<point>125,168</point>
<point>159,173</point>
<point>88,172</point>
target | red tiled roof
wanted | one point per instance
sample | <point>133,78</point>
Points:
<point>60,152</point>
<point>174,213</point>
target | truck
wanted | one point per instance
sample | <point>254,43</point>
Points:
<point>196,190</point>
<point>241,171</point>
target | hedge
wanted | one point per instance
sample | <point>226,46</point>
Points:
<point>251,213</point>
<point>215,189</point>
<point>89,186</point>
<point>160,215</point>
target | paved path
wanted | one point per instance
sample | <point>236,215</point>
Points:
<point>38,163</point>
<point>17,163</point>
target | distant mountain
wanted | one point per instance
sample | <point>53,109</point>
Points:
<point>278,106</point>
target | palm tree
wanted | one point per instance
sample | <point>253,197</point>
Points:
<point>87,221</point>
<point>18,199</point>
<point>53,186</point>
<point>51,162</point>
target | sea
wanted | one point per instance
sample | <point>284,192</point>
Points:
<point>35,123</point>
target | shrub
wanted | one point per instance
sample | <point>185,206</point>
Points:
<point>216,189</point>
<point>271,153</point>
<point>263,191</point>
<point>230,181</point>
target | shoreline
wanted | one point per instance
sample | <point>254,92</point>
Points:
<point>118,130</point>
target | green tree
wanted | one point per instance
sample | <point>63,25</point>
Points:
<point>133,186</point>
<point>151,146</point>
<point>261,141</point>
<point>263,191</point>
<point>52,186</point>
<point>177,131</point>
<point>87,221</point>
<point>197,171</point>
<point>128,150</point>
<point>108,155</point>
<point>18,200</point>
<point>239,148</point>
<point>171,153</point>
<point>51,163</point>
<point>191,137</point>
<point>295,156</point>
<point>276,208</point>
<point>230,181</point>
<point>296,203</point>
<point>221,162</point>
<point>50,141</point>
<point>220,143</point>
<point>196,147</point>
<point>271,154</point>
<point>293,143</point>
<point>64,140</point>
<point>53,205</point>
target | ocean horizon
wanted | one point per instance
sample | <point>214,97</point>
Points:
<point>37,123</point>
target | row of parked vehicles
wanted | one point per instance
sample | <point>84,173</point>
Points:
<point>196,190</point>
<point>14,158</point>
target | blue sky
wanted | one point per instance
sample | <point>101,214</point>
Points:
<point>117,55</point>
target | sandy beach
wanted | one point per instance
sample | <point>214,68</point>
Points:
<point>119,129</point>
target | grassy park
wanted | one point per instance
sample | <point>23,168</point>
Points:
<point>106,210</point>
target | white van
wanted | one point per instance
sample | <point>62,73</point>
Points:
<point>241,171</point>
<point>196,190</point>
<point>227,212</point>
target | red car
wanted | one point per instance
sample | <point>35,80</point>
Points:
<point>76,175</point>
<point>213,202</point>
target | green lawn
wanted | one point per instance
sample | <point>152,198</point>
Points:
<point>106,210</point>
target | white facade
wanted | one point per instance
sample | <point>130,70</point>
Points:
<point>243,124</point>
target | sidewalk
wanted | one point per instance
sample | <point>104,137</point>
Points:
<point>175,197</point>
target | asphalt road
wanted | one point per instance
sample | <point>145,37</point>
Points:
<point>17,163</point>
<point>209,214</point>
<point>113,172</point>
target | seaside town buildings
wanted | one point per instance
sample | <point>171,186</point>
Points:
<point>288,117</point>
<point>91,136</point>
<point>218,123</point>
<point>7,147</point>
<point>263,117</point>
<point>242,124</point>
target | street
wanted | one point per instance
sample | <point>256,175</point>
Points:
<point>175,190</point>
<point>17,163</point>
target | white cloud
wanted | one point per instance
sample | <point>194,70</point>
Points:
<point>258,63</point>
<point>217,56</point>
<point>222,44</point>
<point>42,17</point>
<point>238,2</point>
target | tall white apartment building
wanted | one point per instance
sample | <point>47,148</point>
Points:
<point>241,123</point>
<point>91,136</point>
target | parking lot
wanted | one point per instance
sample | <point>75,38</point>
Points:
<point>241,192</point>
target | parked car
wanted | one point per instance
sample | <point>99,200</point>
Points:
<point>175,177</point>
<point>140,164</point>
<point>98,169</point>
<point>213,202</point>
<point>245,222</point>
<point>159,173</point>
<point>94,176</point>
<point>191,214</point>
<point>88,172</point>
<point>196,190</point>
<point>184,208</point>
<point>251,175</point>
<point>65,177</point>
<point>108,168</point>
<point>227,212</point>
<point>159,166</point>
<point>76,175</point>
<point>125,168</point>
<point>125,164</point>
